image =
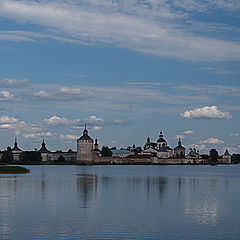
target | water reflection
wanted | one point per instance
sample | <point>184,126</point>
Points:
<point>202,206</point>
<point>156,186</point>
<point>87,185</point>
<point>180,183</point>
<point>43,184</point>
<point>108,203</point>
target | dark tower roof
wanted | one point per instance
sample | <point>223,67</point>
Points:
<point>43,149</point>
<point>96,145</point>
<point>179,146</point>
<point>16,148</point>
<point>226,153</point>
<point>148,141</point>
<point>85,135</point>
<point>161,139</point>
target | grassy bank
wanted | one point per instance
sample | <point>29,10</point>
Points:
<point>13,169</point>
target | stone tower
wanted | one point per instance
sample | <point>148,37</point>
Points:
<point>85,148</point>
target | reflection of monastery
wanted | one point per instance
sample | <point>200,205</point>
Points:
<point>154,152</point>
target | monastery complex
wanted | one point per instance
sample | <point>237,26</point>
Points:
<point>158,152</point>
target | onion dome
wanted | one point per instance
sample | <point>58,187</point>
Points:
<point>161,139</point>
<point>148,143</point>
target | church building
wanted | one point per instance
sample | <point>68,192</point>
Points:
<point>16,151</point>
<point>159,149</point>
<point>179,151</point>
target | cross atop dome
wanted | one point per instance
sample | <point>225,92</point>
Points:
<point>85,131</point>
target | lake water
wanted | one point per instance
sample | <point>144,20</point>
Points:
<point>121,202</point>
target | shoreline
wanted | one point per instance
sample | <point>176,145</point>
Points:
<point>114,164</point>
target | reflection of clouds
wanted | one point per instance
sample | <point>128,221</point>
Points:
<point>204,212</point>
<point>8,189</point>
<point>202,207</point>
<point>4,230</point>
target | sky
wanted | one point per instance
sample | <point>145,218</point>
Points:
<point>128,69</point>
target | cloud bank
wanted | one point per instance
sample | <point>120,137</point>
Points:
<point>146,26</point>
<point>13,83</point>
<point>213,141</point>
<point>207,113</point>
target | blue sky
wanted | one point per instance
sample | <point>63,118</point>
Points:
<point>128,69</point>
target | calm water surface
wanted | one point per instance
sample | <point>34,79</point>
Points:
<point>121,202</point>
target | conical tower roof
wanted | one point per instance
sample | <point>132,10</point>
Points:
<point>16,148</point>
<point>43,149</point>
<point>85,135</point>
<point>226,153</point>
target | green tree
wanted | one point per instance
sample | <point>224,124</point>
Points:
<point>213,155</point>
<point>106,152</point>
<point>61,158</point>
<point>30,156</point>
<point>236,158</point>
<point>7,156</point>
<point>137,150</point>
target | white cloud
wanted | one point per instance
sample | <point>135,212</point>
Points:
<point>96,128</point>
<point>37,135</point>
<point>7,119</point>
<point>143,26</point>
<point>94,119</point>
<point>12,123</point>
<point>179,136</point>
<point>188,132</point>
<point>42,94</point>
<point>13,83</point>
<point>212,89</point>
<point>213,141</point>
<point>69,137</point>
<point>56,121</point>
<point>6,96</point>
<point>197,146</point>
<point>234,134</point>
<point>64,94</point>
<point>206,112</point>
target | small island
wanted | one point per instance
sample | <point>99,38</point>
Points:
<point>13,169</point>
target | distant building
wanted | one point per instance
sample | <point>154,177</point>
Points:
<point>160,148</point>
<point>45,153</point>
<point>193,153</point>
<point>85,148</point>
<point>16,151</point>
<point>179,151</point>
<point>122,153</point>
<point>227,157</point>
<point>69,156</point>
<point>96,149</point>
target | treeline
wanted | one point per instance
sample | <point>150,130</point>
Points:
<point>236,158</point>
<point>25,157</point>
